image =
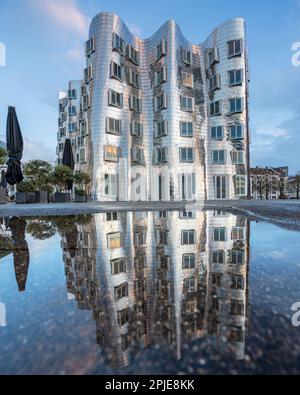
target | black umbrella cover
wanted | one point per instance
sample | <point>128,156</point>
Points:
<point>14,141</point>
<point>3,183</point>
<point>68,159</point>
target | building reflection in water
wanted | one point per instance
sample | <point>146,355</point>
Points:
<point>164,278</point>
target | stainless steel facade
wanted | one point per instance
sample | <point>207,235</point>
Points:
<point>182,150</point>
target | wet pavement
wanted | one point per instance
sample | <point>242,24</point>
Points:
<point>161,292</point>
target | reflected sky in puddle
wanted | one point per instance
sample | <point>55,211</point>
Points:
<point>148,293</point>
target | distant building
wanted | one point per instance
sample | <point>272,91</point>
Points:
<point>269,182</point>
<point>293,188</point>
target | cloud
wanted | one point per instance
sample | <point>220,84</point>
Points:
<point>37,150</point>
<point>65,14</point>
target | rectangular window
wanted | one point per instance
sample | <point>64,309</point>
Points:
<point>161,76</point>
<point>186,129</point>
<point>235,77</point>
<point>237,233</point>
<point>140,238</point>
<point>72,94</point>
<point>88,74</point>
<point>237,157</point>
<point>161,49</point>
<point>187,79</point>
<point>188,237</point>
<point>236,132</point>
<point>187,214</point>
<point>237,307</point>
<point>161,102</point>
<point>114,241</point>
<point>187,186</point>
<point>110,185</point>
<point>72,127</point>
<point>136,129</point>
<point>118,44</point>
<point>217,132</point>
<point>218,257</point>
<point>118,266</point>
<point>111,153</point>
<point>216,279</point>
<point>161,155</point>
<point>137,155</point>
<point>219,157</point>
<point>133,55</point>
<point>116,71</point>
<point>115,99</point>
<point>215,82</point>
<point>235,48</point>
<point>162,237</point>
<point>237,282</point>
<point>113,216</point>
<point>236,105</point>
<point>219,234</point>
<point>189,285</point>
<point>237,257</point>
<point>134,79</point>
<point>215,108</point>
<point>236,334</point>
<point>82,155</point>
<point>240,185</point>
<point>113,126</point>
<point>86,103</point>
<point>189,307</point>
<point>186,154</point>
<point>90,47</point>
<point>188,261</point>
<point>161,129</point>
<point>186,56</point>
<point>123,317</point>
<point>135,103</point>
<point>187,103</point>
<point>72,111</point>
<point>213,56</point>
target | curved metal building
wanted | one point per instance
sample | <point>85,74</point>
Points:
<point>164,119</point>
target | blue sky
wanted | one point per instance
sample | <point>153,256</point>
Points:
<point>44,41</point>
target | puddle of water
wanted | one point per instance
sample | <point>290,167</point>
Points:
<point>148,293</point>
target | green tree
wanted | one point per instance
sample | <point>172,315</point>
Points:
<point>39,172</point>
<point>3,156</point>
<point>61,176</point>
<point>82,180</point>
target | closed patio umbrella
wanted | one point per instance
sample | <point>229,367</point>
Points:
<point>68,159</point>
<point>14,141</point>
<point>3,183</point>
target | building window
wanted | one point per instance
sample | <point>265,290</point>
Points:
<point>218,257</point>
<point>161,49</point>
<point>113,126</point>
<point>237,257</point>
<point>162,237</point>
<point>237,157</point>
<point>187,214</point>
<point>133,55</point>
<point>188,237</point>
<point>114,241</point>
<point>215,303</point>
<point>134,79</point>
<point>82,155</point>
<point>140,263</point>
<point>187,79</point>
<point>161,129</point>
<point>189,307</point>
<point>123,317</point>
<point>161,102</point>
<point>118,266</point>
<point>237,233</point>
<point>110,185</point>
<point>72,94</point>
<point>237,282</point>
<point>135,103</point>
<point>113,216</point>
<point>72,111</point>
<point>86,103</point>
<point>237,307</point>
<point>116,71</point>
<point>188,261</point>
<point>186,154</point>
<point>187,186</point>
<point>186,129</point>
<point>186,56</point>
<point>189,285</point>
<point>218,157</point>
<point>235,48</point>
<point>236,132</point>
<point>219,234</point>
<point>240,185</point>
<point>140,238</point>
<point>72,127</point>
<point>118,44</point>
<point>88,74</point>
<point>161,155</point>
<point>137,155</point>
<point>236,105</point>
<point>236,334</point>
<point>235,77</point>
<point>111,153</point>
<point>215,82</point>
<point>213,56</point>
<point>90,47</point>
<point>215,108</point>
<point>136,129</point>
<point>217,133</point>
<point>161,76</point>
<point>115,99</point>
<point>216,279</point>
<point>187,103</point>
